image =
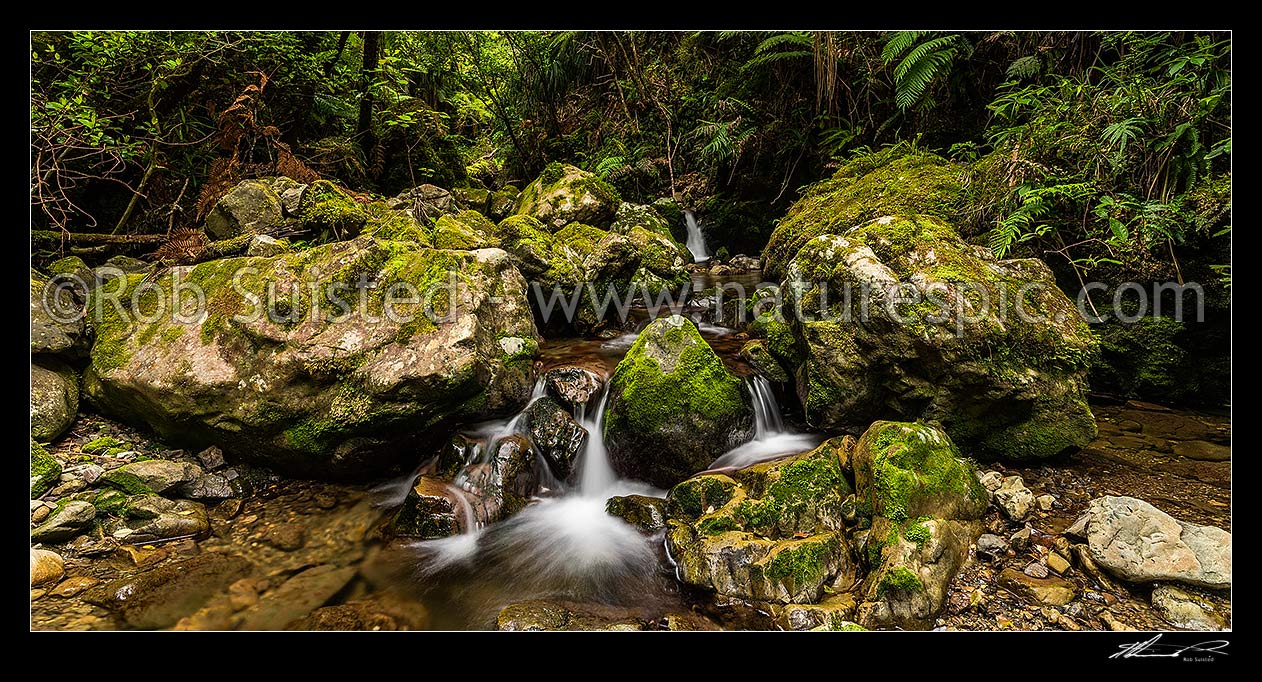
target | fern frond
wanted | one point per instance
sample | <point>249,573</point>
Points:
<point>898,44</point>
<point>796,39</point>
<point>1025,67</point>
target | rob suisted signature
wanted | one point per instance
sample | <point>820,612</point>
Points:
<point>1153,649</point>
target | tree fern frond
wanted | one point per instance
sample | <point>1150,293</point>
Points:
<point>898,44</point>
<point>1025,67</point>
<point>775,57</point>
<point>935,46</point>
<point>796,39</point>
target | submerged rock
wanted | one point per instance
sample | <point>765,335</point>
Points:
<point>1137,542</point>
<point>160,597</point>
<point>673,406</point>
<point>1048,591</point>
<point>1185,609</point>
<point>564,194</point>
<point>768,532</point>
<point>54,398</point>
<point>990,349</point>
<point>46,567</point>
<point>305,389</point>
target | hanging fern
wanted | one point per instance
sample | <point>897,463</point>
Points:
<point>1023,224</point>
<point>919,63</point>
<point>794,45</point>
<point>1025,67</point>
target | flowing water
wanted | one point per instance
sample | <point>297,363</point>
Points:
<point>771,438</point>
<point>696,240</point>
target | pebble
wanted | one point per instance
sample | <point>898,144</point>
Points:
<point>1045,502</point>
<point>41,512</point>
<point>1020,539</point>
<point>46,567</point>
<point>1035,570</point>
<point>1057,563</point>
<point>325,501</point>
<point>286,537</point>
<point>991,546</point>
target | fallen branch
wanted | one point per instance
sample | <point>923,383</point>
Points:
<point>58,237</point>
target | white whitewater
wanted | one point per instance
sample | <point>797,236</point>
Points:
<point>771,439</point>
<point>596,475</point>
<point>696,240</point>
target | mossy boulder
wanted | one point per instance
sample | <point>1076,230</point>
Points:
<point>863,190</point>
<point>756,354</point>
<point>768,532</point>
<point>646,513</point>
<point>300,383</point>
<point>502,203</point>
<point>54,398</point>
<point>45,470</point>
<point>426,203</point>
<point>465,231</point>
<point>331,212</point>
<point>925,503</point>
<point>473,198</point>
<point>673,407</point>
<point>991,349</point>
<point>251,206</point>
<point>646,217</point>
<point>564,194</point>
<point>57,322</point>
<point>388,224</point>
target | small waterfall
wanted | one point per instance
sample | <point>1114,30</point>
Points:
<point>596,476</point>
<point>771,439</point>
<point>767,419</point>
<point>696,240</point>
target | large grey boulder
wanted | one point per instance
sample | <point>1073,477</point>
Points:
<point>1137,542</point>
<point>54,398</point>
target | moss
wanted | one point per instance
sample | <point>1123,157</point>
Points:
<point>552,173</point>
<point>390,225</point>
<point>715,525</point>
<point>464,231</point>
<point>698,384</point>
<point>67,266</point>
<point>327,208</point>
<point>801,562</point>
<point>690,499</point>
<point>45,470</point>
<point>603,190</point>
<point>111,502</point>
<point>864,189</point>
<point>917,532</point>
<point>913,469</point>
<point>100,445</point>
<point>128,483</point>
<point>806,484</point>
<point>899,580</point>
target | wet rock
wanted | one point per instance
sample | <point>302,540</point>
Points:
<point>645,513</point>
<point>833,613</point>
<point>555,434</point>
<point>1045,502</point>
<point>504,485</point>
<point>991,547</point>
<point>673,407</point>
<point>45,470</point>
<point>54,398</point>
<point>1035,570</point>
<point>153,517</point>
<point>215,486</point>
<point>286,537</point>
<point>46,567</point>
<point>66,522</point>
<point>767,532</point>
<point>1202,450</point>
<point>541,615</point>
<point>375,614</point>
<point>763,362</point>
<point>297,597</point>
<point>1058,563</point>
<point>572,386</point>
<point>1014,499</point>
<point>1051,591</point>
<point>160,597</point>
<point>742,263</point>
<point>1137,542</point>
<point>71,587</point>
<point>154,475</point>
<point>431,510</point>
<point>1185,609</point>
<point>211,458</point>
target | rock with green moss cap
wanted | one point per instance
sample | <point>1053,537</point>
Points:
<point>643,512</point>
<point>54,398</point>
<point>45,470</point>
<point>991,349</point>
<point>465,230</point>
<point>310,388</point>
<point>330,212</point>
<point>68,520</point>
<point>924,502</point>
<point>564,194</point>
<point>673,406</point>
<point>473,198</point>
<point>251,206</point>
<point>502,203</point>
<point>768,532</point>
<point>871,187</point>
<point>756,354</point>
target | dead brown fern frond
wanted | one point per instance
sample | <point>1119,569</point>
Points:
<point>183,247</point>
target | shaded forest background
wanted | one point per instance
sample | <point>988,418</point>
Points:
<point>1106,154</point>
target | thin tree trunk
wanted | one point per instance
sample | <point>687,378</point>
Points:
<point>372,54</point>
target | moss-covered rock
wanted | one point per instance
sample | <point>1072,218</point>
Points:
<point>473,198</point>
<point>54,398</point>
<point>769,532</point>
<point>641,511</point>
<point>309,386</point>
<point>466,230</point>
<point>251,206</point>
<point>430,510</point>
<point>917,183</point>
<point>502,203</point>
<point>756,354</point>
<point>991,349</point>
<point>387,224</point>
<point>57,325</point>
<point>564,194</point>
<point>45,470</point>
<point>673,407</point>
<point>331,212</point>
<point>426,203</point>
<point>643,216</point>
<point>924,501</point>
